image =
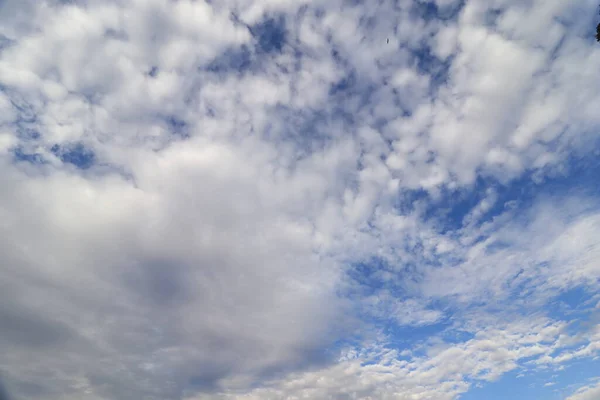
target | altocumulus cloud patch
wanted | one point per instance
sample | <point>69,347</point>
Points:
<point>275,200</point>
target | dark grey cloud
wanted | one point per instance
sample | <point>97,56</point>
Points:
<point>3,392</point>
<point>31,329</point>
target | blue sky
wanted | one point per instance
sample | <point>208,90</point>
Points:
<point>299,199</point>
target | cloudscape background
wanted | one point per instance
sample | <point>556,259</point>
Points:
<point>283,199</point>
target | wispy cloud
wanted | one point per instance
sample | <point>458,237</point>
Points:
<point>586,393</point>
<point>275,199</point>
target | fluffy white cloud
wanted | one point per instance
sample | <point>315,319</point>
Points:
<point>199,199</point>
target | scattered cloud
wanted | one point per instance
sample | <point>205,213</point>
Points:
<point>283,199</point>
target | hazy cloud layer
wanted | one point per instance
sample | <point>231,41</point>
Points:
<point>282,200</point>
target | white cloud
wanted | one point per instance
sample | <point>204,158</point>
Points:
<point>408,312</point>
<point>591,392</point>
<point>546,250</point>
<point>219,258</point>
<point>382,373</point>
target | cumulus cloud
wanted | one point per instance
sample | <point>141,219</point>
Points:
<point>267,199</point>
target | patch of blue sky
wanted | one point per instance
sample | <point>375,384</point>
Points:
<point>26,111</point>
<point>405,337</point>
<point>372,278</point>
<point>455,205</point>
<point>23,155</point>
<point>270,34</point>
<point>425,10</point>
<point>25,123</point>
<point>428,64</point>
<point>345,85</point>
<point>580,20</point>
<point>431,11</point>
<point>76,154</point>
<point>27,132</point>
<point>233,60</point>
<point>424,58</point>
<point>153,72</point>
<point>368,278</point>
<point>456,336</point>
<point>573,303</point>
<point>576,374</point>
<point>306,128</point>
<point>351,95</point>
<point>176,126</point>
<point>577,306</point>
<point>269,37</point>
<point>447,213</point>
<point>520,288</point>
<point>408,201</point>
<point>548,383</point>
<point>512,385</point>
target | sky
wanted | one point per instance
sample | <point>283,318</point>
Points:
<point>276,199</point>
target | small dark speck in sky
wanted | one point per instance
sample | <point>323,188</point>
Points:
<point>388,40</point>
